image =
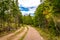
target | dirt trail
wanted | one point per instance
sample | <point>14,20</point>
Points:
<point>9,35</point>
<point>32,35</point>
<point>18,36</point>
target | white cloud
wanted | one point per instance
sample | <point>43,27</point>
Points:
<point>28,12</point>
<point>29,3</point>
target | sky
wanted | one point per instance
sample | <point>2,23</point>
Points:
<point>28,6</point>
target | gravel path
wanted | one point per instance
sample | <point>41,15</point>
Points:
<point>32,35</point>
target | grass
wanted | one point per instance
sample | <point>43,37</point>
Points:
<point>46,34</point>
<point>24,34</point>
<point>20,31</point>
<point>5,32</point>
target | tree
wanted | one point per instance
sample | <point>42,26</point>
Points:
<point>47,14</point>
<point>27,19</point>
<point>10,15</point>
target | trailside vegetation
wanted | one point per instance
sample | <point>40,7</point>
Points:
<point>47,17</point>
<point>10,16</point>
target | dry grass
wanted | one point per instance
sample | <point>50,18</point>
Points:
<point>47,35</point>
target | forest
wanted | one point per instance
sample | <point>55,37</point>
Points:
<point>10,16</point>
<point>46,17</point>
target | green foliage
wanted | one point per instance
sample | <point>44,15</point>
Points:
<point>27,19</point>
<point>39,19</point>
<point>47,16</point>
<point>10,15</point>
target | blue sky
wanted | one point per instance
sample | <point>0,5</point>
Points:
<point>28,6</point>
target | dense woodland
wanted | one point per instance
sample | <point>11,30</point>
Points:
<point>46,16</point>
<point>10,16</point>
